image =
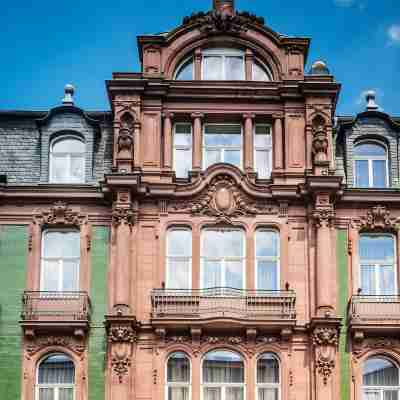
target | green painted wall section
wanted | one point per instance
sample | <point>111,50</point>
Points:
<point>98,296</point>
<point>13,261</point>
<point>342,263</point>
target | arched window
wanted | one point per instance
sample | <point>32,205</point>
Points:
<point>377,256</point>
<point>60,261</point>
<point>178,377</point>
<point>261,73</point>
<point>222,258</point>
<point>185,71</point>
<point>179,258</point>
<point>380,379</point>
<point>267,260</point>
<point>56,378</point>
<point>223,376</point>
<point>370,165</point>
<point>67,160</point>
<point>268,377</point>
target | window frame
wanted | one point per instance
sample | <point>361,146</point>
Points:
<point>222,386</point>
<point>268,385</point>
<point>53,142</point>
<point>220,148</point>
<point>224,259</point>
<point>168,256</point>
<point>60,263</point>
<point>189,149</point>
<point>377,266</point>
<point>379,389</point>
<point>267,258</point>
<point>55,386</point>
<point>223,53</point>
<point>267,149</point>
<point>179,384</point>
<point>370,160</point>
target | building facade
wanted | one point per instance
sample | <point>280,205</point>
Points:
<point>219,234</point>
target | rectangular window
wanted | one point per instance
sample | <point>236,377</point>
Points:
<point>222,144</point>
<point>60,261</point>
<point>182,150</point>
<point>267,260</point>
<point>223,64</point>
<point>222,255</point>
<point>263,150</point>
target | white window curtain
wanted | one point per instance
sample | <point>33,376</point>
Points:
<point>267,260</point>
<point>56,378</point>
<point>60,261</point>
<point>178,377</point>
<point>67,160</point>
<point>268,377</point>
<point>222,258</point>
<point>377,264</point>
<point>182,149</point>
<point>179,258</point>
<point>380,380</point>
<point>222,144</point>
<point>263,150</point>
<point>223,376</point>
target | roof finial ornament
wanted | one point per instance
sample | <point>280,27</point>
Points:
<point>224,6</point>
<point>68,99</point>
<point>370,96</point>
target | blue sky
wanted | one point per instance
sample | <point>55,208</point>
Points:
<point>46,44</point>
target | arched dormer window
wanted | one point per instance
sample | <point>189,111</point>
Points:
<point>268,377</point>
<point>56,378</point>
<point>370,165</point>
<point>223,64</point>
<point>380,379</point>
<point>67,160</point>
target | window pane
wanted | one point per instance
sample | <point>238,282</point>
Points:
<point>46,394</point>
<point>376,248</point>
<point>69,146</point>
<point>262,136</point>
<point>234,274</point>
<point>232,243</point>
<point>386,280</point>
<point>362,177</point>
<point>390,395</point>
<point>212,274</point>
<point>59,172</point>
<point>178,369</point>
<point>77,173</point>
<point>267,275</point>
<point>379,173</point>
<point>223,135</point>
<point>263,163</point>
<point>267,369</point>
<point>212,68</point>
<point>212,393</point>
<point>185,72</point>
<point>267,243</point>
<point>234,68</point>
<point>56,369</point>
<point>234,393</point>
<point>178,393</point>
<point>259,73</point>
<point>369,285</point>
<point>371,395</point>
<point>70,243</point>
<point>178,276</point>
<point>183,163</point>
<point>223,367</point>
<point>50,276</point>
<point>70,276</point>
<point>268,394</point>
<point>233,157</point>
<point>183,135</point>
<point>380,372</point>
<point>52,244</point>
<point>180,242</point>
<point>369,149</point>
<point>66,394</point>
<point>212,157</point>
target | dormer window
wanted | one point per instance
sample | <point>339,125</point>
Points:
<point>223,65</point>
<point>370,165</point>
<point>67,160</point>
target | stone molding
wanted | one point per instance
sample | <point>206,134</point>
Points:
<point>377,218</point>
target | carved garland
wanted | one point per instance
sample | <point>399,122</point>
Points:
<point>378,218</point>
<point>59,214</point>
<point>38,343</point>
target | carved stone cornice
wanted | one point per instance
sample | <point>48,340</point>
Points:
<point>378,218</point>
<point>59,214</point>
<point>37,343</point>
<point>375,343</point>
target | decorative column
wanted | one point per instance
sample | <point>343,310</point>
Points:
<point>249,59</point>
<point>248,142</point>
<point>197,140</point>
<point>168,139</point>
<point>278,141</point>
<point>197,64</point>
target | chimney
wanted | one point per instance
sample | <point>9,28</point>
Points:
<point>224,6</point>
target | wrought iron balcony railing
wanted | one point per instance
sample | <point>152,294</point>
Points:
<point>223,303</point>
<point>55,306</point>
<point>369,308</point>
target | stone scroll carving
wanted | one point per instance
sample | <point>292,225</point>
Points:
<point>224,200</point>
<point>378,218</point>
<point>59,214</point>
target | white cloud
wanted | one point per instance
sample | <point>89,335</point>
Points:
<point>344,3</point>
<point>394,33</point>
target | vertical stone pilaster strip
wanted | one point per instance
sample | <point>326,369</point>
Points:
<point>248,142</point>
<point>197,141</point>
<point>277,141</point>
<point>168,140</point>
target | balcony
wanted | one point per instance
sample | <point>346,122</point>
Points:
<point>55,311</point>
<point>374,314</point>
<point>184,308</point>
